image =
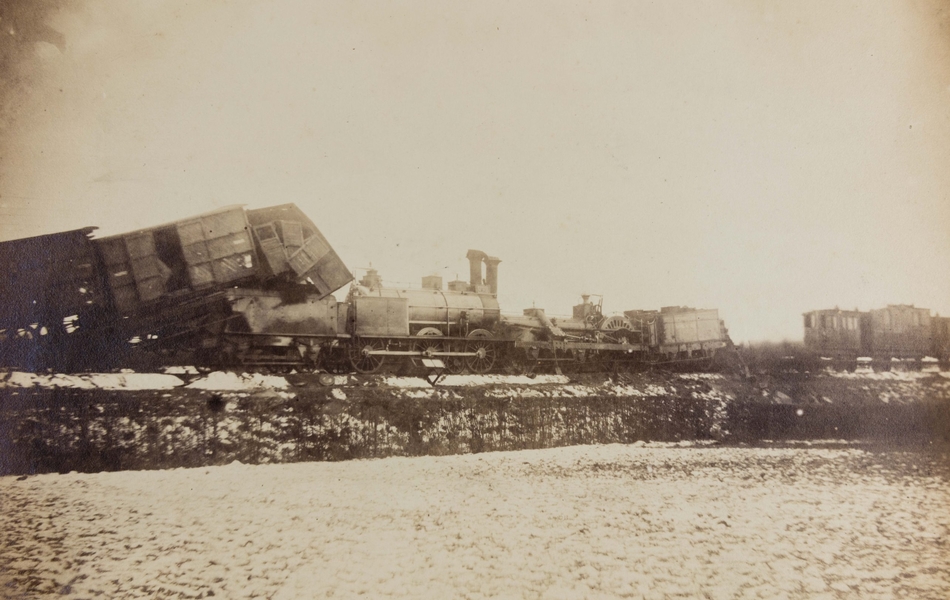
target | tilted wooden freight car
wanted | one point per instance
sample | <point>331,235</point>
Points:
<point>167,287</point>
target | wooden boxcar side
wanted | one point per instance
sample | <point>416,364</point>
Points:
<point>900,331</point>
<point>213,249</point>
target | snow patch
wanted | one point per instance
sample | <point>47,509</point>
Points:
<point>189,370</point>
<point>884,375</point>
<point>220,380</point>
<point>90,381</point>
<point>475,380</point>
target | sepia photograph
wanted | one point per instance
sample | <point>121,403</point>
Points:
<point>418,299</point>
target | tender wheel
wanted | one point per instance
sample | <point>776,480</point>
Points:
<point>484,350</point>
<point>362,360</point>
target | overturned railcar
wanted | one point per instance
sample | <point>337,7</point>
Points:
<point>70,301</point>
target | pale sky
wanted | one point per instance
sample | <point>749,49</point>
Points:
<point>760,158</point>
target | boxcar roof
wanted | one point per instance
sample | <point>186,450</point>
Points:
<point>170,223</point>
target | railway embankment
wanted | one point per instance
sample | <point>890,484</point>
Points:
<point>133,421</point>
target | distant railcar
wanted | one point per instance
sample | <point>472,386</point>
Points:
<point>896,332</point>
<point>900,331</point>
<point>940,338</point>
<point>836,333</point>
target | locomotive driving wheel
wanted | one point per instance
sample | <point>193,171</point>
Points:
<point>454,364</point>
<point>335,360</point>
<point>429,346</point>
<point>360,357</point>
<point>479,343</point>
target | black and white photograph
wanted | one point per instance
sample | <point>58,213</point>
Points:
<point>419,299</point>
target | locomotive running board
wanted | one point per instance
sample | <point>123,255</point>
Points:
<point>582,346</point>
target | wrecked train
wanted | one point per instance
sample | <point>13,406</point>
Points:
<point>254,288</point>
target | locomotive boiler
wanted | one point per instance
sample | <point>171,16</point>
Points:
<point>450,328</point>
<point>455,312</point>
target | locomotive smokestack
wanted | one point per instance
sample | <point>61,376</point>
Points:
<point>491,273</point>
<point>475,258</point>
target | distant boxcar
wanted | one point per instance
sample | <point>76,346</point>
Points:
<point>836,333</point>
<point>940,337</point>
<point>898,331</point>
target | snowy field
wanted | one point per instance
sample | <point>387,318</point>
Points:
<point>637,521</point>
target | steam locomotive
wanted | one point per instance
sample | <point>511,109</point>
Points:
<point>254,288</point>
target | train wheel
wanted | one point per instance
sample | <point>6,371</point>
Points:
<point>516,365</point>
<point>334,359</point>
<point>362,360</point>
<point>429,346</point>
<point>565,361</point>
<point>484,350</point>
<point>454,364</point>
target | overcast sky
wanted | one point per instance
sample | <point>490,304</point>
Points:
<point>762,158</point>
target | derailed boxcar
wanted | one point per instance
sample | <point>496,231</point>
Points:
<point>287,313</point>
<point>171,288</point>
<point>51,294</point>
<point>186,256</point>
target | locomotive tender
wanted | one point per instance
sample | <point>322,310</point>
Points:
<point>254,287</point>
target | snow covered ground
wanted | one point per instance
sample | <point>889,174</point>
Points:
<point>636,521</point>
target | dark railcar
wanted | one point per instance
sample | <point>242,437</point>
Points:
<point>51,292</point>
<point>940,338</point>
<point>836,333</point>
<point>174,287</point>
<point>900,331</point>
